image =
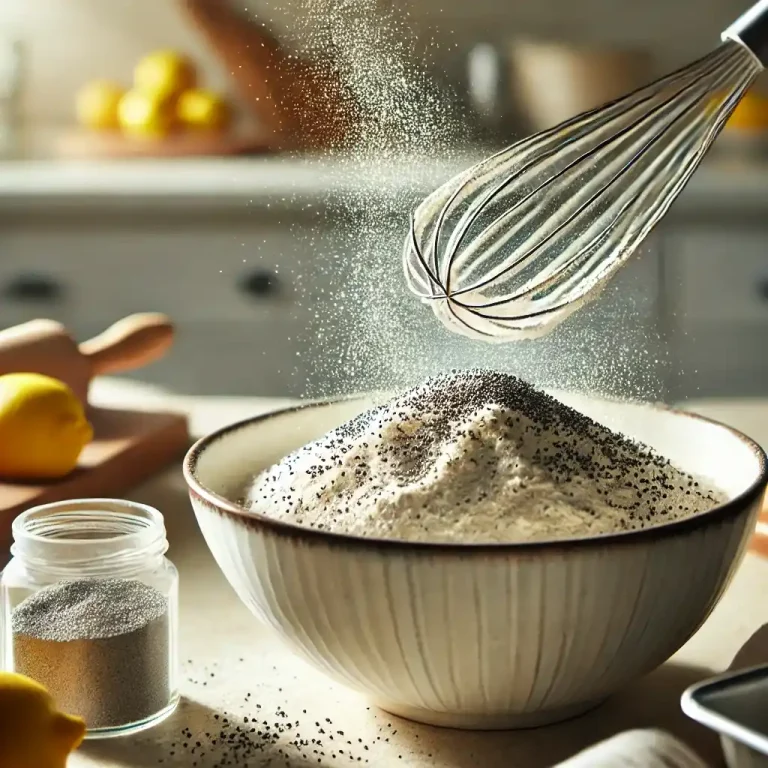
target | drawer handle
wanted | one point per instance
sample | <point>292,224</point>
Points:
<point>32,287</point>
<point>259,284</point>
<point>762,288</point>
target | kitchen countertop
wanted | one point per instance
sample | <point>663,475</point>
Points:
<point>285,182</point>
<point>228,654</point>
<point>278,182</point>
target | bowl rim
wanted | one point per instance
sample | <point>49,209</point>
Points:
<point>719,513</point>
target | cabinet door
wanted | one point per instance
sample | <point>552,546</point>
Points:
<point>719,275</point>
<point>35,284</point>
<point>245,296</point>
<point>261,358</point>
<point>192,273</point>
<point>717,290</point>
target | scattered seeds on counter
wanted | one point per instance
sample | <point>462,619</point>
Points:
<point>277,737</point>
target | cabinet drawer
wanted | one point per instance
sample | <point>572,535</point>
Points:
<point>192,274</point>
<point>720,360</point>
<point>266,356</point>
<point>35,287</point>
<point>718,275</point>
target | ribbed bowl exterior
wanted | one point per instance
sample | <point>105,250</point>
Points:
<point>483,639</point>
<point>470,636</point>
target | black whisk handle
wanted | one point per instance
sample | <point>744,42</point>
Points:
<point>751,30</point>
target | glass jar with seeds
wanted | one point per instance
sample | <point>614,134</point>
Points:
<point>90,611</point>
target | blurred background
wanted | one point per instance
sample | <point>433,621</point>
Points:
<point>250,170</point>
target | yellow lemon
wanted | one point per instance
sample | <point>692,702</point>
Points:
<point>43,428</point>
<point>165,74</point>
<point>145,115</point>
<point>751,113</point>
<point>198,108</point>
<point>96,104</point>
<point>33,733</point>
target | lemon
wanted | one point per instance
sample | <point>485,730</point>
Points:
<point>145,115</point>
<point>198,108</point>
<point>33,733</point>
<point>751,113</point>
<point>43,428</point>
<point>165,74</point>
<point>96,104</point>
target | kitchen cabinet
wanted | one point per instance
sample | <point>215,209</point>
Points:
<point>718,275</point>
<point>261,301</point>
<point>245,290</point>
<point>255,262</point>
<point>205,271</point>
<point>716,288</point>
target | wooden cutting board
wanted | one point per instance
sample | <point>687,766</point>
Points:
<point>128,445</point>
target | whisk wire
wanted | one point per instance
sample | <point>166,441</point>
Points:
<point>476,208</point>
<point>509,213</point>
<point>518,241</point>
<point>565,260</point>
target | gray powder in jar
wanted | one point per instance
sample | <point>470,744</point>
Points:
<point>100,646</point>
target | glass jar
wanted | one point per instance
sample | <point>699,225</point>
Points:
<point>90,610</point>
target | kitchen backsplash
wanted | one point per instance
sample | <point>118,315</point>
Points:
<point>70,41</point>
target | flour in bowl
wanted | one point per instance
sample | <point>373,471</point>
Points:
<point>476,456</point>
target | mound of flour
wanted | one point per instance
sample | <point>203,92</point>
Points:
<point>476,456</point>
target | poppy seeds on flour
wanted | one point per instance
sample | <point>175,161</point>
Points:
<point>477,456</point>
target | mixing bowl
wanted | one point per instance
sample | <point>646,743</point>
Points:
<point>480,635</point>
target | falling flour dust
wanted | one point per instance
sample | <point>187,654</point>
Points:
<point>366,331</point>
<point>477,456</point>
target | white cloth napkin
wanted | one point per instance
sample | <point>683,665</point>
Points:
<point>656,749</point>
<point>636,749</point>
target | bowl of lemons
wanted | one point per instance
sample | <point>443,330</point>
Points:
<point>165,110</point>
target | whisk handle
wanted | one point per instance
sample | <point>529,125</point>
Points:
<point>751,30</point>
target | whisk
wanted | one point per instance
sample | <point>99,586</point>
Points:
<point>512,246</point>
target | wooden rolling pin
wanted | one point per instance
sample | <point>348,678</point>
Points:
<point>45,346</point>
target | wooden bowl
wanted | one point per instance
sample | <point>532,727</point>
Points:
<point>90,145</point>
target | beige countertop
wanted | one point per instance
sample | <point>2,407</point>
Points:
<point>283,182</point>
<point>233,664</point>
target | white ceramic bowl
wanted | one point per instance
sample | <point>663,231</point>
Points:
<point>473,635</point>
